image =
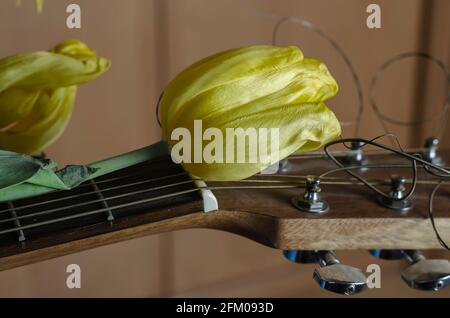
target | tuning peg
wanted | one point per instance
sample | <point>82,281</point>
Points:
<point>398,191</point>
<point>431,152</point>
<point>311,201</point>
<point>356,156</point>
<point>332,275</point>
<point>422,273</point>
<point>337,277</point>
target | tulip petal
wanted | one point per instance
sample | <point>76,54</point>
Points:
<point>221,69</point>
<point>37,93</point>
<point>255,87</point>
<point>302,128</point>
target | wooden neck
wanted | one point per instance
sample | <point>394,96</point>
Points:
<point>153,192</point>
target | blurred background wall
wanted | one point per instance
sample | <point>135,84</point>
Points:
<point>151,41</point>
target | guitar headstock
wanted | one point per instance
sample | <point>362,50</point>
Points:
<point>294,209</point>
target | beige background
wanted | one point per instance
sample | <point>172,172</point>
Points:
<point>148,43</point>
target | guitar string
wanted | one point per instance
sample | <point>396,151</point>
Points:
<point>322,176</point>
<point>108,180</point>
<point>77,205</point>
<point>76,196</point>
<point>55,210</point>
<point>431,217</point>
<point>356,80</point>
<point>364,142</point>
<point>136,203</point>
<point>443,112</point>
<point>119,178</point>
<point>373,182</point>
<point>18,208</point>
<point>340,181</point>
<point>343,153</point>
<point>309,25</point>
<point>129,194</point>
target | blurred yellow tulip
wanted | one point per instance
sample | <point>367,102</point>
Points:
<point>37,93</point>
<point>39,4</point>
<point>253,87</point>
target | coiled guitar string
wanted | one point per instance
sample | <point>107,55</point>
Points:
<point>428,167</point>
<point>431,217</point>
<point>442,114</point>
<point>356,81</point>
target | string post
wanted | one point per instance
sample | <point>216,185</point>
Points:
<point>356,156</point>
<point>311,200</point>
<point>396,198</point>
<point>431,152</point>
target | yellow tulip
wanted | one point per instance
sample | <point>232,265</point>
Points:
<point>37,93</point>
<point>259,87</point>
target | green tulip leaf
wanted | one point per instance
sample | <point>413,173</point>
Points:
<point>16,169</point>
<point>23,176</point>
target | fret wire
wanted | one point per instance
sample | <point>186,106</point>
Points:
<point>126,205</point>
<point>32,205</point>
<point>109,214</point>
<point>46,212</point>
<point>20,233</point>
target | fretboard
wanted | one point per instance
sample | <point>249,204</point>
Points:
<point>149,192</point>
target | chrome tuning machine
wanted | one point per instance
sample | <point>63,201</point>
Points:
<point>355,156</point>
<point>311,200</point>
<point>423,274</point>
<point>332,274</point>
<point>430,153</point>
<point>337,277</point>
<point>398,191</point>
